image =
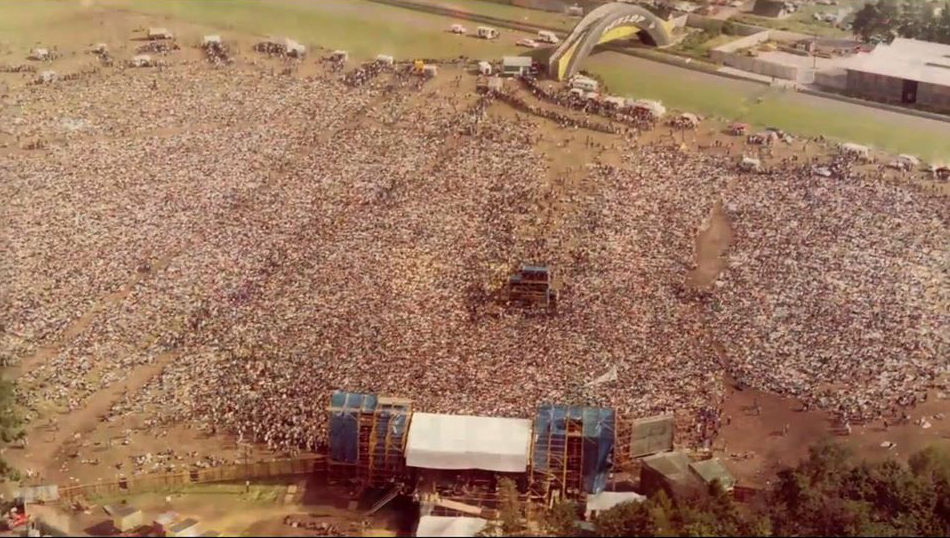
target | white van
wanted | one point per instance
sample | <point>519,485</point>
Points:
<point>457,29</point>
<point>546,36</point>
<point>486,32</point>
<point>584,83</point>
<point>385,59</point>
<point>484,68</point>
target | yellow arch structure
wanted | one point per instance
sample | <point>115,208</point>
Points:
<point>608,22</point>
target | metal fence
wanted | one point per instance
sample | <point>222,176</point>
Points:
<point>315,465</point>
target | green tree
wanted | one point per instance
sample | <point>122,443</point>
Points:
<point>827,494</point>
<point>866,20</point>
<point>559,521</point>
<point>933,464</point>
<point>942,25</point>
<point>712,512</point>
<point>913,19</point>
<point>510,521</point>
<point>626,519</point>
<point>10,425</point>
<point>878,21</point>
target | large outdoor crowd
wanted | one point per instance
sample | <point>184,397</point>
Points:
<point>268,239</point>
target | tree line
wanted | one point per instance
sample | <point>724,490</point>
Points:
<point>828,494</point>
<point>884,20</point>
<point>11,426</point>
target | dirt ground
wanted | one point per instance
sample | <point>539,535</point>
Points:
<point>79,447</point>
<point>227,510</point>
<point>754,445</point>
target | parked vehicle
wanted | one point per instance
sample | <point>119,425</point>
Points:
<point>487,32</point>
<point>546,36</point>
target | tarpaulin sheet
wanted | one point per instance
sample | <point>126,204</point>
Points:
<point>345,408</point>
<point>468,442</point>
<point>390,421</point>
<point>444,526</point>
<point>598,438</point>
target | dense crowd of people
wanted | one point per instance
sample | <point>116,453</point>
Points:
<point>270,239</point>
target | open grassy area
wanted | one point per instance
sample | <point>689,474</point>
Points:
<point>363,28</point>
<point>494,9</point>
<point>786,109</point>
<point>21,22</point>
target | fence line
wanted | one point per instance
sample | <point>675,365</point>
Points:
<point>226,473</point>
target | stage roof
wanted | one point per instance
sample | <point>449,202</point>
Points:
<point>467,442</point>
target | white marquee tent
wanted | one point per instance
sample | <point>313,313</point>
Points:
<point>468,442</point>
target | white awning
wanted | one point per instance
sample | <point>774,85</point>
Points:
<point>450,526</point>
<point>605,500</point>
<point>467,442</point>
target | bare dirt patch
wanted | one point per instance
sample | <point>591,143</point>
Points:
<point>712,242</point>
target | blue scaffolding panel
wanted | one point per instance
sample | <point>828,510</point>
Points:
<point>345,408</point>
<point>597,437</point>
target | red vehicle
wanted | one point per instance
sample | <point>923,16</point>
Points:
<point>17,519</point>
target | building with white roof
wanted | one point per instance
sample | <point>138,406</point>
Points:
<point>906,71</point>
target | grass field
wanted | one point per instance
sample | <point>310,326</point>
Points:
<point>795,112</point>
<point>367,28</point>
<point>493,9</point>
<point>363,28</point>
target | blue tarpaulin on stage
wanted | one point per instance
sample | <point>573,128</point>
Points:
<point>345,408</point>
<point>550,428</point>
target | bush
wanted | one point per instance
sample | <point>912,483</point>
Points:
<point>7,472</point>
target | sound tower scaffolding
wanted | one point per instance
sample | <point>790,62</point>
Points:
<point>387,441</point>
<point>367,439</point>
<point>571,451</point>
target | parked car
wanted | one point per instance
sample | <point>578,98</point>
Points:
<point>546,36</point>
<point>530,43</point>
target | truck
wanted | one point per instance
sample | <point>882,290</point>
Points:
<point>487,32</point>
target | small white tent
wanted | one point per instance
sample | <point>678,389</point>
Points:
<point>39,54</point>
<point>294,49</point>
<point>655,108</point>
<point>46,77</point>
<point>856,150</point>
<point>142,60</point>
<point>750,164</point>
